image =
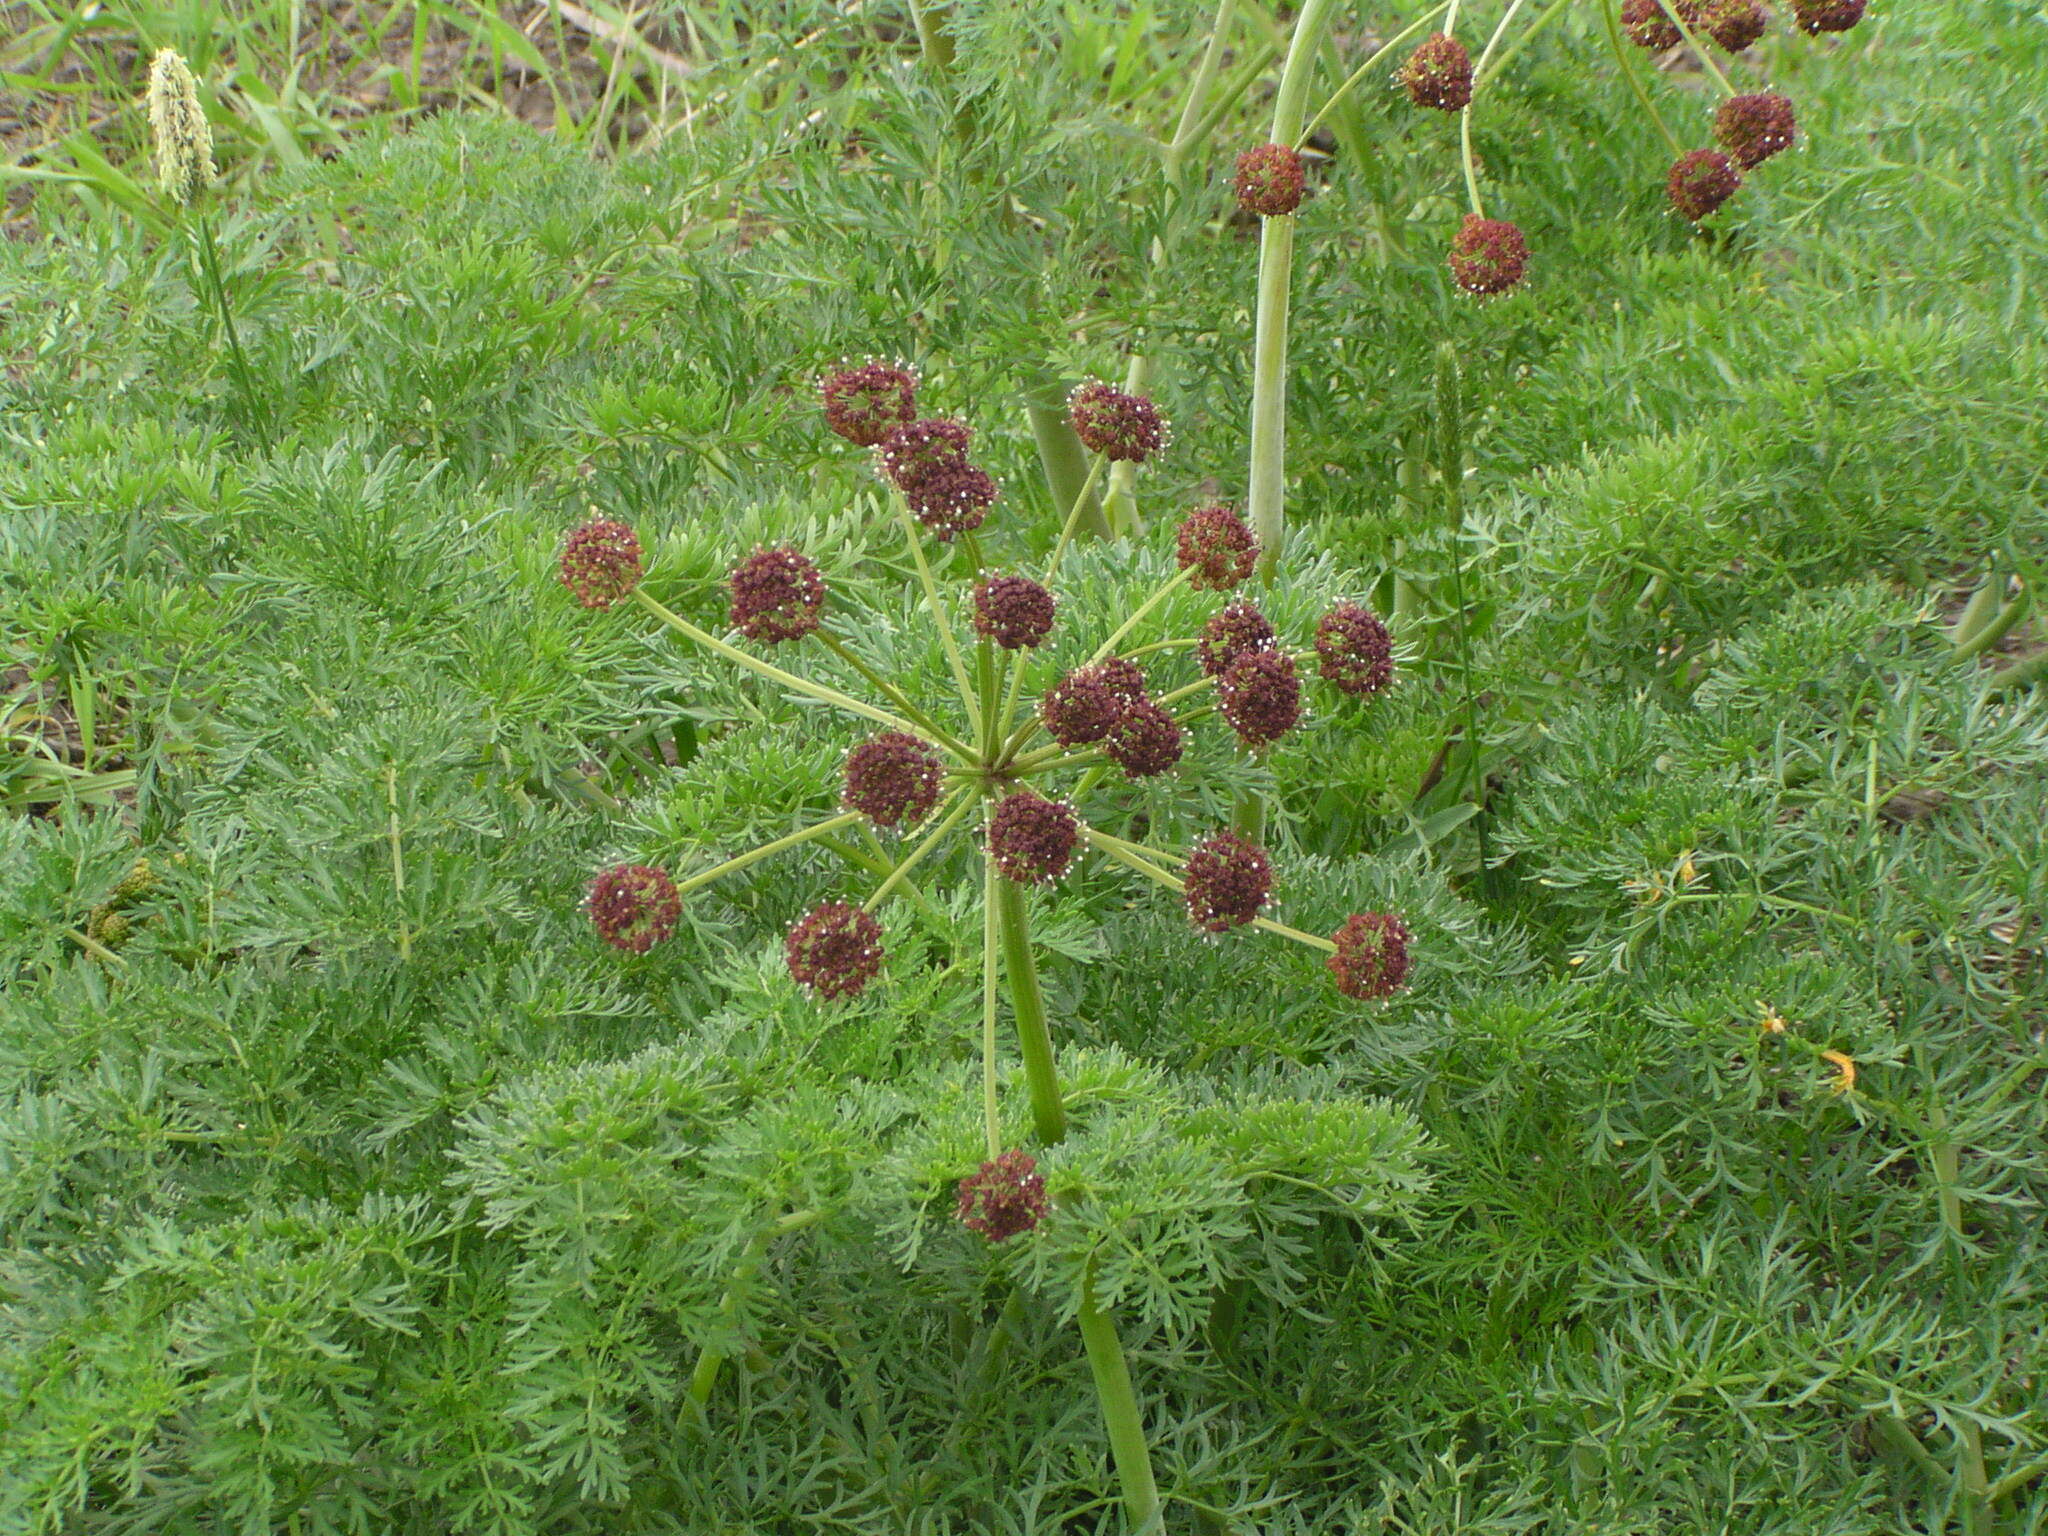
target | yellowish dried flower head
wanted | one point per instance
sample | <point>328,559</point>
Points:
<point>184,142</point>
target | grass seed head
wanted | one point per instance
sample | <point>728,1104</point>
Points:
<point>177,124</point>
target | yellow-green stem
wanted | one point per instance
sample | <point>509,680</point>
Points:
<point>1119,1403</point>
<point>1173,584</point>
<point>766,850</point>
<point>916,855</point>
<point>940,618</point>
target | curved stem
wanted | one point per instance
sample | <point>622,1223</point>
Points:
<point>1027,1005</point>
<point>916,855</point>
<point>766,850</point>
<point>894,695</point>
<point>798,685</point>
<point>1119,1403</point>
<point>1628,69</point>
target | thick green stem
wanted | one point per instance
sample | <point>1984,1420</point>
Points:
<point>932,39</point>
<point>1064,459</point>
<point>1266,488</point>
<point>991,1110</point>
<point>704,1378</point>
<point>1027,1004</point>
<point>1120,1415</point>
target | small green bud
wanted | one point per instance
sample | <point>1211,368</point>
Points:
<point>184,142</point>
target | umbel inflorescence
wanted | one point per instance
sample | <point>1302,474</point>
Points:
<point>1490,256</point>
<point>1022,745</point>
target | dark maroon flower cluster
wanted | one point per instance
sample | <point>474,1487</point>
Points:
<point>1082,706</point>
<point>1732,24</point>
<point>1371,961</point>
<point>1269,180</point>
<point>1031,839</point>
<point>1260,695</point>
<point>1488,256</point>
<point>634,906</point>
<point>1231,632</point>
<point>777,595</point>
<point>1126,429</point>
<point>1701,181</point>
<point>1755,127</point>
<point>1650,26</point>
<point>1215,545</point>
<point>1144,741</point>
<point>1228,881</point>
<point>1817,16</point>
<point>834,949</point>
<point>1005,1198</point>
<point>892,779</point>
<point>927,462</point>
<point>1354,650</point>
<point>1439,74</point>
<point>1014,611</point>
<point>601,562</point>
<point>864,404</point>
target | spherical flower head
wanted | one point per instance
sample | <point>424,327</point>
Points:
<point>1701,181</point>
<point>1014,611</point>
<point>834,950</point>
<point>864,404</point>
<point>1439,74</point>
<point>892,779</point>
<point>1488,256</point>
<point>601,562</point>
<point>1650,26</point>
<point>1231,632</point>
<point>1816,16</point>
<point>1354,651</point>
<point>633,906</point>
<point>1372,955</point>
<point>1260,695</point>
<point>182,138</point>
<point>1126,429</point>
<point>1227,882</point>
<point>1086,704</point>
<point>1145,740</point>
<point>1269,180</point>
<point>952,499</point>
<point>1732,24</point>
<point>777,595</point>
<point>1005,1198</point>
<point>1031,839</point>
<point>1753,128</point>
<point>913,450</point>
<point>1216,547</point>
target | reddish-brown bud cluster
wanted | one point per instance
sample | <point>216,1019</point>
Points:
<point>1227,882</point>
<point>834,949</point>
<point>633,906</point>
<point>1260,695</point>
<point>1214,544</point>
<point>1126,429</point>
<point>1082,706</point>
<point>601,562</point>
<point>1231,632</point>
<point>892,779</point>
<point>1005,1198</point>
<point>777,595</point>
<point>864,404</point>
<point>1817,16</point>
<point>1732,24</point>
<point>1371,961</point>
<point>1650,26</point>
<point>1014,611</point>
<point>1439,74</point>
<point>1488,256</point>
<point>1755,127</point>
<point>1269,180</point>
<point>1145,740</point>
<point>927,462</point>
<point>1354,651</point>
<point>1031,839</point>
<point>1701,181</point>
